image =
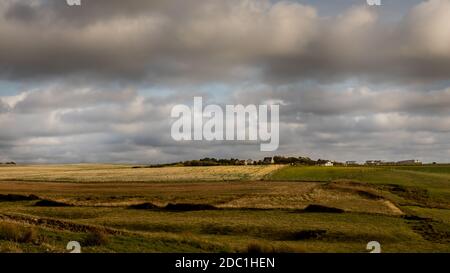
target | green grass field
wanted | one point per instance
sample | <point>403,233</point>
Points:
<point>433,179</point>
<point>116,208</point>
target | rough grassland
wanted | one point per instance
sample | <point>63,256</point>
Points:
<point>224,209</point>
<point>434,179</point>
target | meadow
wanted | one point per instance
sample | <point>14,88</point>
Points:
<point>272,208</point>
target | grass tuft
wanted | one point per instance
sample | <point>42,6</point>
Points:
<point>96,238</point>
<point>18,234</point>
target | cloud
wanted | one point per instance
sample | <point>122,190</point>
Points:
<point>351,84</point>
<point>212,41</point>
<point>426,29</point>
<point>89,125</point>
<point>4,107</point>
<point>59,97</point>
<point>333,100</point>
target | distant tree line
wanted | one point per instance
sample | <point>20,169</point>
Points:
<point>8,163</point>
<point>201,162</point>
<point>208,161</point>
<point>212,162</point>
<point>301,161</point>
<point>294,160</point>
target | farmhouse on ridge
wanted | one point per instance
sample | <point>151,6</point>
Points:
<point>328,164</point>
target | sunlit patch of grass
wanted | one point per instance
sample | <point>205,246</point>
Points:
<point>435,181</point>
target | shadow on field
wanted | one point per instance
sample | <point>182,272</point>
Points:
<point>17,197</point>
<point>274,234</point>
<point>174,207</point>
<point>320,208</point>
<point>313,208</point>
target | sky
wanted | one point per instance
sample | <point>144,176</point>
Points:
<point>97,83</point>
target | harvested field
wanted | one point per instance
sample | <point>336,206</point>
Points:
<point>83,173</point>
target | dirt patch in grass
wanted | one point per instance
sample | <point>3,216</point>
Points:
<point>51,203</point>
<point>416,196</point>
<point>368,195</point>
<point>410,193</point>
<point>430,229</point>
<point>174,207</point>
<point>363,190</point>
<point>145,206</point>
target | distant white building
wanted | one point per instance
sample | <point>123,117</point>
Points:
<point>249,162</point>
<point>328,164</point>
<point>374,162</point>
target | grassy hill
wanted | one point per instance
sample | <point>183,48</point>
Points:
<point>116,208</point>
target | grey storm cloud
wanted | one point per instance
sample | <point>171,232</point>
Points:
<point>57,97</point>
<point>319,100</point>
<point>220,41</point>
<point>127,127</point>
<point>350,85</point>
